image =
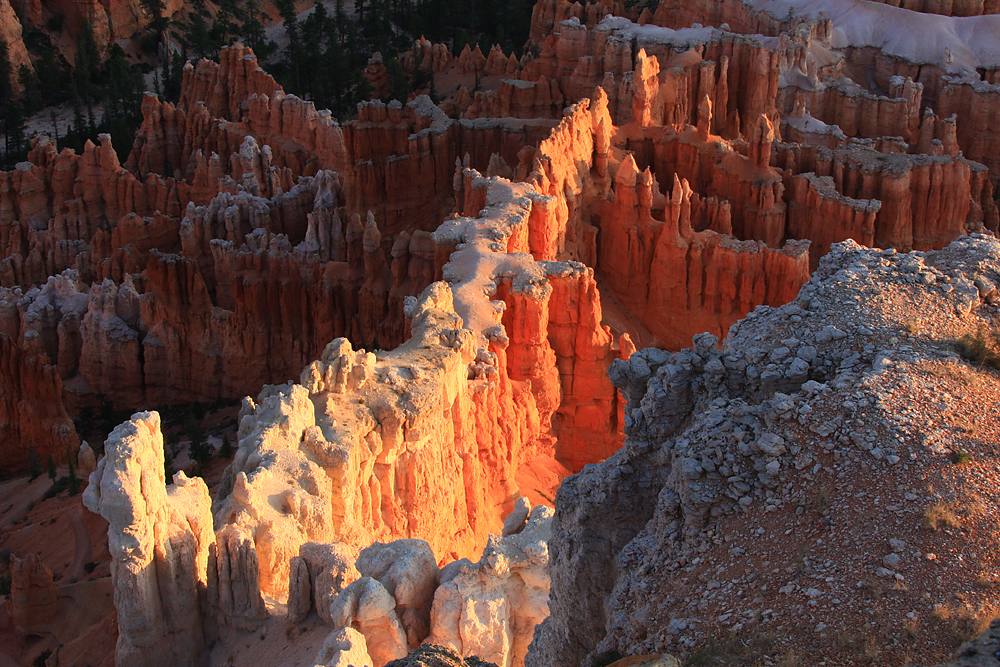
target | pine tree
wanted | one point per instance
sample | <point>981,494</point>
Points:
<point>87,63</point>
<point>16,146</point>
<point>155,9</point>
<point>31,464</point>
<point>6,91</point>
<point>226,451</point>
<point>79,131</point>
<point>74,481</point>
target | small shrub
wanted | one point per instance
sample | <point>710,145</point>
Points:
<point>966,622</point>
<point>960,457</point>
<point>940,514</point>
<point>981,348</point>
<point>974,505</point>
<point>872,647</point>
<point>56,23</point>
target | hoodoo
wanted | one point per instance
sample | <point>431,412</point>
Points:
<point>674,334</point>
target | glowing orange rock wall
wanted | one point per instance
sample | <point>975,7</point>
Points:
<point>494,364</point>
<point>925,200</point>
<point>680,282</point>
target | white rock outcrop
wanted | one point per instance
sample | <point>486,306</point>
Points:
<point>344,648</point>
<point>316,577</point>
<point>159,538</point>
<point>409,571</point>
<point>370,609</point>
<point>490,609</point>
<point>272,489</point>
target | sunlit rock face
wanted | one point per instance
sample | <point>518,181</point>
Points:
<point>420,307</point>
<point>159,537</point>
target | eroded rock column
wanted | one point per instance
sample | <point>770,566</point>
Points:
<point>159,540</point>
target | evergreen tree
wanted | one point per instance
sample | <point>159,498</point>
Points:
<point>16,146</point>
<point>226,451</point>
<point>223,27</point>
<point>196,34</point>
<point>31,100</point>
<point>76,137</point>
<point>53,76</point>
<point>123,103</point>
<point>155,9</point>
<point>51,468</point>
<point>74,482</point>
<point>253,33</point>
<point>87,64</point>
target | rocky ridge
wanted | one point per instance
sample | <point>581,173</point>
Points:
<point>789,482</point>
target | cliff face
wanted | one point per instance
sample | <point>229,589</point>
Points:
<point>241,197</point>
<point>10,33</point>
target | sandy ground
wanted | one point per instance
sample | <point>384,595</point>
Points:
<point>618,317</point>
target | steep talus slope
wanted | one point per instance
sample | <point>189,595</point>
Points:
<point>827,476</point>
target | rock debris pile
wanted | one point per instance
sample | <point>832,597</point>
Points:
<point>827,476</point>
